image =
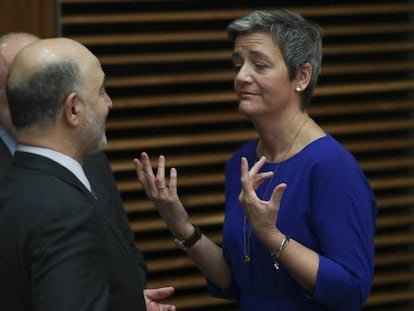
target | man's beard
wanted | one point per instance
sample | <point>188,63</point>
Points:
<point>93,133</point>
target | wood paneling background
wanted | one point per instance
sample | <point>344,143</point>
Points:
<point>170,78</point>
<point>34,16</point>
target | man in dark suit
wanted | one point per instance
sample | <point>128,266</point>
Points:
<point>68,248</point>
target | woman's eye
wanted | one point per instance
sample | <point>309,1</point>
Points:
<point>260,66</point>
<point>237,67</point>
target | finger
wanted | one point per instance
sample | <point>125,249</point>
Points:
<point>260,178</point>
<point>247,193</point>
<point>167,307</point>
<point>166,292</point>
<point>148,178</point>
<point>146,165</point>
<point>140,167</point>
<point>244,168</point>
<point>278,193</point>
<point>257,166</point>
<point>159,293</point>
<point>173,180</point>
<point>253,177</point>
<point>160,178</point>
<point>245,177</point>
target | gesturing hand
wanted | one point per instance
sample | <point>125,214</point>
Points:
<point>164,195</point>
<point>262,215</point>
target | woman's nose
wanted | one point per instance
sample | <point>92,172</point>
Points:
<point>243,74</point>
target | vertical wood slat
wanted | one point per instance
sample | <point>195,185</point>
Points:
<point>168,64</point>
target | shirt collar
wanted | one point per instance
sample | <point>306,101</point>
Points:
<point>8,140</point>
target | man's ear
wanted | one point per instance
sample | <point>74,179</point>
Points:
<point>72,107</point>
<point>303,77</point>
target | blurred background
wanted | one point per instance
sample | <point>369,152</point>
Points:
<point>170,78</point>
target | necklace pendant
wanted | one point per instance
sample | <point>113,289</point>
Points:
<point>246,259</point>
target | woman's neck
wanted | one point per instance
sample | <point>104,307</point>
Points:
<point>280,144</point>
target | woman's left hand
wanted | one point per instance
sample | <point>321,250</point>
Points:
<point>262,215</point>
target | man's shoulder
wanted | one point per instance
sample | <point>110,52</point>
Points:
<point>96,160</point>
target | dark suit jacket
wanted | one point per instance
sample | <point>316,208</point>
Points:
<point>5,158</point>
<point>99,173</point>
<point>59,250</point>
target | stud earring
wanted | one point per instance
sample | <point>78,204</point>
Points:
<point>298,88</point>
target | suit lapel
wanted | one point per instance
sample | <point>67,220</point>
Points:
<point>104,202</point>
<point>44,164</point>
<point>5,159</point>
<point>5,155</point>
<point>4,150</point>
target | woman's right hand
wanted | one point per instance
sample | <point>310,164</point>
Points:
<point>164,195</point>
<point>207,256</point>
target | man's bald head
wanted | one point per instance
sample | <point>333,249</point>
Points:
<point>42,75</point>
<point>10,45</point>
<point>46,52</point>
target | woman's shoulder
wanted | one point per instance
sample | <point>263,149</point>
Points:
<point>328,155</point>
<point>325,147</point>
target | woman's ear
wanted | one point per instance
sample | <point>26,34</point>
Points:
<point>72,107</point>
<point>303,77</point>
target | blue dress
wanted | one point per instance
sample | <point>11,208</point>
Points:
<point>329,207</point>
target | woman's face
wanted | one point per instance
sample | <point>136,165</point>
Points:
<point>262,82</point>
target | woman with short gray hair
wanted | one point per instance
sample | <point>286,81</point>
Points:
<point>300,215</point>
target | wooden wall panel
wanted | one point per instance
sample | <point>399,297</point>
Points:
<point>170,77</point>
<point>33,16</point>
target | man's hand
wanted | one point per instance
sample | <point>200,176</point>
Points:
<point>153,296</point>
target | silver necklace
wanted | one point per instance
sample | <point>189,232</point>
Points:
<point>247,231</point>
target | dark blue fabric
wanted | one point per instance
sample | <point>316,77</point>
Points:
<point>329,207</point>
